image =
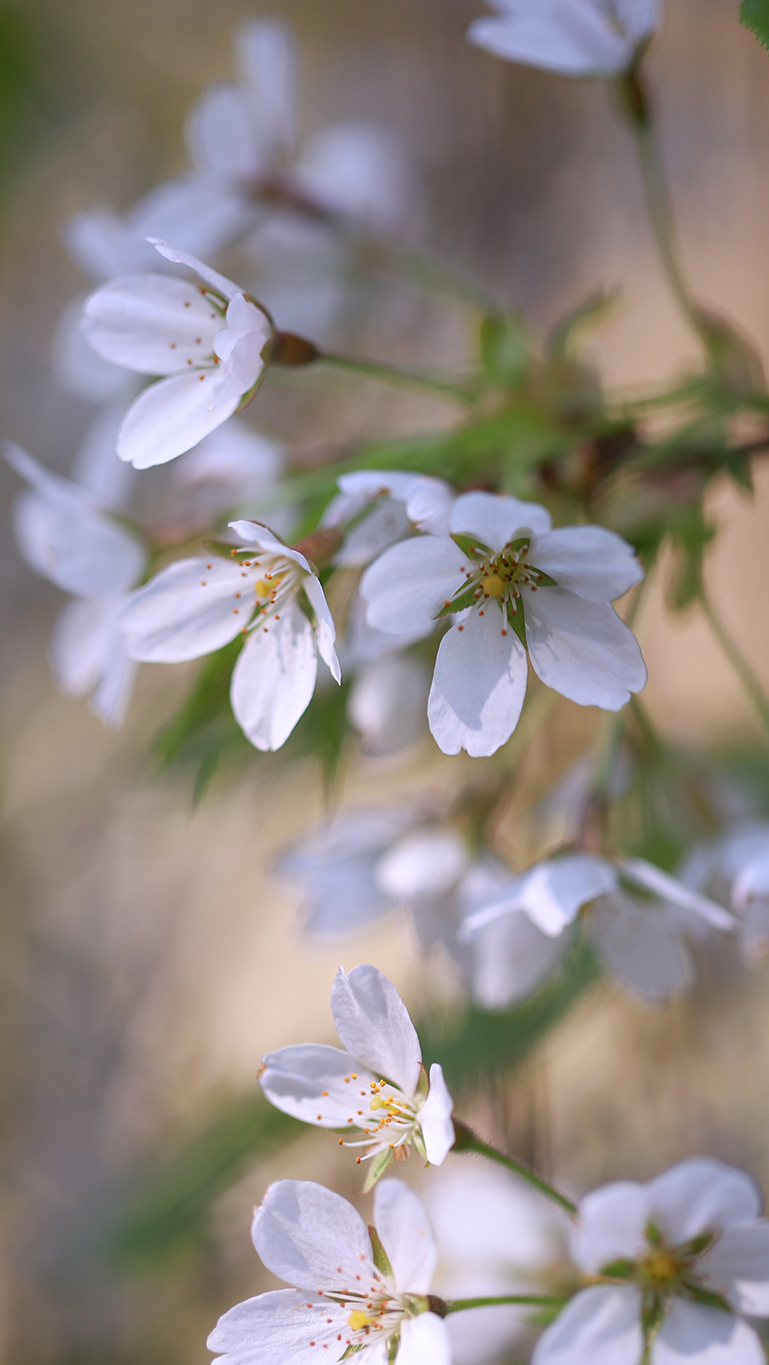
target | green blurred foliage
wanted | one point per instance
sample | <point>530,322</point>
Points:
<point>754,14</point>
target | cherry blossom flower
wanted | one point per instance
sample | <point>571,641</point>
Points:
<point>572,37</point>
<point>377,1086</point>
<point>512,585</point>
<point>525,931</point>
<point>356,1291</point>
<point>672,1266</point>
<point>66,533</point>
<point>198,605</point>
<point>735,870</point>
<point>384,506</point>
<point>207,340</point>
<point>495,1236</point>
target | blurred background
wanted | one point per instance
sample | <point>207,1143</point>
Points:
<point>150,957</point>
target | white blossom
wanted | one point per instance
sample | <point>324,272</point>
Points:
<point>356,1292</point>
<point>198,605</point>
<point>735,869</point>
<point>387,704</point>
<point>376,1087</point>
<point>525,930</point>
<point>688,1251</point>
<point>206,339</point>
<point>66,533</point>
<point>384,506</point>
<point>572,37</point>
<point>495,1236</point>
<point>504,574</point>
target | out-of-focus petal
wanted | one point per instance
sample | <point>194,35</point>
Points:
<point>401,1221</point>
<point>702,1195</point>
<point>601,1324</point>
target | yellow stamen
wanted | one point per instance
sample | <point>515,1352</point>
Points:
<point>358,1320</point>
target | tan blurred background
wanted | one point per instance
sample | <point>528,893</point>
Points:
<point>149,958</point>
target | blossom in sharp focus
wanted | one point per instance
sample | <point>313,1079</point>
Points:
<point>377,1086</point>
<point>196,606</point>
<point>495,1236</point>
<point>735,869</point>
<point>572,37</point>
<point>525,931</point>
<point>384,506</point>
<point>206,339</point>
<point>512,585</point>
<point>357,1291</point>
<point>65,532</point>
<point>673,1267</point>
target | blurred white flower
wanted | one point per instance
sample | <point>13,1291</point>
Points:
<point>524,930</point>
<point>573,37</point>
<point>377,1086</point>
<point>503,574</point>
<point>387,704</point>
<point>196,606</point>
<point>687,1254</point>
<point>735,869</point>
<point>386,506</point>
<point>373,1290</point>
<point>207,339</point>
<point>495,1236</point>
<point>66,533</point>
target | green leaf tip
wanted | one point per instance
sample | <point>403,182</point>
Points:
<point>754,14</point>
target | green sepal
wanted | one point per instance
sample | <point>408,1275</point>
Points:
<point>460,603</point>
<point>393,1344</point>
<point>377,1167</point>
<point>418,1143</point>
<point>652,1314</point>
<point>381,1259</point>
<point>474,549</point>
<point>706,1296</point>
<point>423,1084</point>
<point>618,1270</point>
<point>353,1349</point>
<point>754,14</point>
<point>515,619</point>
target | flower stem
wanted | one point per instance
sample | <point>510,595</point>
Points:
<point>739,663</point>
<point>389,374</point>
<point>636,105</point>
<point>531,1300</point>
<point>468,1141</point>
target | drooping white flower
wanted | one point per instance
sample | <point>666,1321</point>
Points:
<point>735,869</point>
<point>495,1236</point>
<point>524,931</point>
<point>384,506</point>
<point>572,37</point>
<point>196,606</point>
<point>66,533</point>
<point>206,339</point>
<point>356,1293</point>
<point>505,576</point>
<point>377,1086</point>
<point>687,1254</point>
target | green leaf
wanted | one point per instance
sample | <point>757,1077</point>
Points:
<point>754,14</point>
<point>505,347</point>
<point>594,310</point>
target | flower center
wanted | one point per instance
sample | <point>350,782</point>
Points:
<point>661,1269</point>
<point>385,1115</point>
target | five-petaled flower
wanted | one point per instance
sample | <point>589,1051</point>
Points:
<point>196,606</point>
<point>208,340</point>
<point>377,1086</point>
<point>512,584</point>
<point>572,37</point>
<point>356,1289</point>
<point>672,1266</point>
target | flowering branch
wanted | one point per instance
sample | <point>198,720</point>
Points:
<point>468,1141</point>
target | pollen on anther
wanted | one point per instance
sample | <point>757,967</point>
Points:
<point>209,566</point>
<point>172,345</point>
<point>504,632</point>
<point>237,594</point>
<point>460,627</point>
<point>236,611</point>
<point>357,1161</point>
<point>189,362</point>
<point>320,1116</point>
<point>202,377</point>
<point>325,1094</point>
<point>202,582</point>
<point>187,304</point>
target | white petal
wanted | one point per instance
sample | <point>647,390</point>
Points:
<point>702,1195</point>
<point>752,881</point>
<point>428,862</point>
<point>297,1078</point>
<point>154,324</point>
<point>511,958</point>
<point>88,652</point>
<point>408,585</point>
<point>313,1238</point>
<point>424,1341</point>
<point>222,137</point>
<point>343,897</point>
<point>186,610</point>
<point>278,1326</point>
<point>385,524</point>
<point>274,678</point>
<point>387,704</point>
<point>692,1334</point>
<point>572,37</point>
<point>112,693</point>
<point>227,288</point>
<point>97,466</point>
<point>601,1324</point>
<point>244,462</point>
<point>641,946</point>
<point>360,170</point>
<point>435,1118</point>
<point>266,60</point>
<point>172,416</point>
<point>325,630</point>
<point>497,520</point>
<point>402,1223</point>
<point>553,892</point>
<point>587,560</point>
<point>737,1267</point>
<point>76,365</point>
<point>670,889</point>
<point>612,1225</point>
<point>754,934</point>
<point>429,503</point>
<point>479,685</point>
<point>582,649</point>
<point>374,1025</point>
